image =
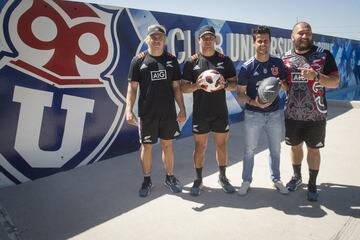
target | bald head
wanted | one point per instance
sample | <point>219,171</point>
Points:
<point>301,37</point>
<point>301,25</point>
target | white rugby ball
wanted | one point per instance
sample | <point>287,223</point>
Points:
<point>211,81</point>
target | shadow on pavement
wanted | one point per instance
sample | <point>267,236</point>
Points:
<point>66,204</point>
<point>341,199</point>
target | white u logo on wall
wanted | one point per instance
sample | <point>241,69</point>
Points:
<point>31,114</point>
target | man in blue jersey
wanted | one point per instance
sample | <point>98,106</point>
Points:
<point>261,117</point>
<point>310,69</point>
<point>210,112</point>
<point>158,76</point>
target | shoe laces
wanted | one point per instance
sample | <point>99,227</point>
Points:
<point>146,184</point>
<point>224,180</point>
<point>293,178</point>
<point>173,180</point>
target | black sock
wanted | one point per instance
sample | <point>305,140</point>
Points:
<point>199,173</point>
<point>222,170</point>
<point>147,179</point>
<point>312,180</point>
<point>167,177</point>
<point>297,171</point>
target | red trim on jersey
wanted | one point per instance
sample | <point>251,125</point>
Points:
<point>169,54</point>
<point>221,55</point>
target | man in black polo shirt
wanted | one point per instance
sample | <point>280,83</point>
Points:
<point>158,76</point>
<point>210,111</point>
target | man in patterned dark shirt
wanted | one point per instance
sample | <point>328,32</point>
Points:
<point>310,69</point>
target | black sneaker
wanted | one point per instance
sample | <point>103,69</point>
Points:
<point>225,184</point>
<point>196,187</point>
<point>173,184</point>
<point>294,183</point>
<point>145,189</point>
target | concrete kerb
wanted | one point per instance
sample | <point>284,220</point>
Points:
<point>344,104</point>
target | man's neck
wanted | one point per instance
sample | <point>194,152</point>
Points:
<point>262,57</point>
<point>207,52</point>
<point>155,52</point>
<point>302,52</point>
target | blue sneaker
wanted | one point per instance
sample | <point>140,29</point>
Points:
<point>294,183</point>
<point>173,184</point>
<point>312,196</point>
<point>195,190</point>
<point>225,184</point>
<point>145,189</point>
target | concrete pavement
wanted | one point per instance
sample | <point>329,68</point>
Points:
<point>100,201</point>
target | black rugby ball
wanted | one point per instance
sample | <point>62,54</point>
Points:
<point>268,90</point>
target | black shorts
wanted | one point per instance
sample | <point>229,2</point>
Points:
<point>310,132</point>
<point>205,125</point>
<point>152,129</point>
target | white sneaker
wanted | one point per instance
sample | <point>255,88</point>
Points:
<point>280,187</point>
<point>244,188</point>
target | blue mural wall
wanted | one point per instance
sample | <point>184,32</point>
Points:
<point>63,78</point>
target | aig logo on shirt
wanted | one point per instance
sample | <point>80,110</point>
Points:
<point>297,77</point>
<point>158,75</point>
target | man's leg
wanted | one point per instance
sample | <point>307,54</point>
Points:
<point>296,154</point>
<point>253,127</point>
<point>146,164</point>
<point>168,160</point>
<point>167,156</point>
<point>274,132</point>
<point>254,123</point>
<point>313,159</point>
<point>220,140</point>
<point>201,141</point>
<point>146,158</point>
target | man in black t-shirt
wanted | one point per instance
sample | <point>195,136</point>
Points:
<point>158,76</point>
<point>310,69</point>
<point>210,111</point>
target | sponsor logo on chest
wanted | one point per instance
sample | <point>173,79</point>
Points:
<point>296,77</point>
<point>158,75</point>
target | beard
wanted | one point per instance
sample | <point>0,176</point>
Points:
<point>303,45</point>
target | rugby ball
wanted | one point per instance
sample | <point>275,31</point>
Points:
<point>211,81</point>
<point>268,90</point>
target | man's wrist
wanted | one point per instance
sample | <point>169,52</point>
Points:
<point>317,76</point>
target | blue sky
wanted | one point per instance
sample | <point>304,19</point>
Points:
<point>339,18</point>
